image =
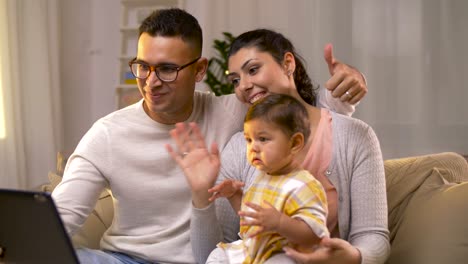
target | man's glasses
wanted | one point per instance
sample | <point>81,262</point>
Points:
<point>165,72</point>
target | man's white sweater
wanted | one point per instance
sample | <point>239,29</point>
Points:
<point>125,152</point>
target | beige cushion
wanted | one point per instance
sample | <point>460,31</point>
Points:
<point>97,222</point>
<point>405,176</point>
<point>434,228</point>
<point>100,218</point>
<point>428,209</point>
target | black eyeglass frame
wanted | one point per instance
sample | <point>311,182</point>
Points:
<point>153,68</point>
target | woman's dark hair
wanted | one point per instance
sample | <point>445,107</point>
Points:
<point>282,110</point>
<point>277,45</point>
<point>174,22</point>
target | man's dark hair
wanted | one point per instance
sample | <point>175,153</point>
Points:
<point>282,110</point>
<point>174,22</point>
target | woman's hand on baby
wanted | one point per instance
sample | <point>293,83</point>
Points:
<point>226,189</point>
<point>266,218</point>
<point>200,165</point>
<point>331,250</point>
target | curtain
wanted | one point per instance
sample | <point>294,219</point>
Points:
<point>30,91</point>
<point>413,54</point>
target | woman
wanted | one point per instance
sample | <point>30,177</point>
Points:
<point>342,153</point>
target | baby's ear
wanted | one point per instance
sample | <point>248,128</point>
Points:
<point>297,142</point>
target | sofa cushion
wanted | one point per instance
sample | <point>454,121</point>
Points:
<point>428,211</point>
<point>98,221</point>
<point>96,224</point>
<point>434,228</point>
<point>405,176</point>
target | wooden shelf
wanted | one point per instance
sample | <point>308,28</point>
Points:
<point>127,95</point>
<point>129,30</point>
<point>126,86</point>
<point>146,3</point>
<point>126,58</point>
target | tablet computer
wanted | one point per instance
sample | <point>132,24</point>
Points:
<point>31,230</point>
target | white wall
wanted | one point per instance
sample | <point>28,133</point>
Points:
<point>90,40</point>
<point>412,52</point>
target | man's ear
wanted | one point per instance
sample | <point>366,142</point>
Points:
<point>297,142</point>
<point>289,63</point>
<point>201,67</point>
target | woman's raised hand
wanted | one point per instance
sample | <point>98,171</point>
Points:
<point>346,82</point>
<point>200,165</point>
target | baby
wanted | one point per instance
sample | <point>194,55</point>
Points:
<point>285,205</point>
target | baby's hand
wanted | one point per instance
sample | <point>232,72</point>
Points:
<point>226,189</point>
<point>266,218</point>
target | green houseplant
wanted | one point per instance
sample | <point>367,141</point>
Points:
<point>216,78</point>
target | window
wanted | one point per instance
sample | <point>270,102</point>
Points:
<point>2,106</point>
<point>3,54</point>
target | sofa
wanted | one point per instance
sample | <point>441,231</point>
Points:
<point>427,205</point>
<point>428,209</point>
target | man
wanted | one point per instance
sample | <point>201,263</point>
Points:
<point>124,151</point>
